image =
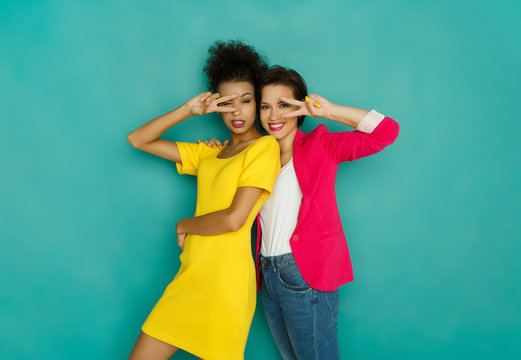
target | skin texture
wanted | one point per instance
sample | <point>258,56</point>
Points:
<point>279,107</point>
<point>273,106</point>
<point>236,103</point>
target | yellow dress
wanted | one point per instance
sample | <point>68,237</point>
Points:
<point>208,308</point>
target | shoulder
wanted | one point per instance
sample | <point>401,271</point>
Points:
<point>314,135</point>
<point>319,130</point>
<point>265,150</point>
<point>267,139</point>
<point>264,143</point>
<point>199,149</point>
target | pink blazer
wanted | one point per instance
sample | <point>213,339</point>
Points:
<point>318,242</point>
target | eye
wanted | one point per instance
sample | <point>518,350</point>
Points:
<point>264,107</point>
<point>225,104</point>
<point>284,106</point>
<point>247,101</point>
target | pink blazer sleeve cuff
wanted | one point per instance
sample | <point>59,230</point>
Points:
<point>370,122</point>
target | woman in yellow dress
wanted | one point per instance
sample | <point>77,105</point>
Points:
<point>208,308</point>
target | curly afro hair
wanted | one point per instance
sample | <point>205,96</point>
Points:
<point>233,61</point>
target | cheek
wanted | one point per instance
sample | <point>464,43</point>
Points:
<point>264,116</point>
<point>292,123</point>
<point>226,116</point>
<point>250,110</point>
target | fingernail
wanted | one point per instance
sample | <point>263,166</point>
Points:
<point>307,99</point>
<point>318,101</point>
<point>317,105</point>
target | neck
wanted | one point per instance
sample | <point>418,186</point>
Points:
<point>251,134</point>
<point>286,143</point>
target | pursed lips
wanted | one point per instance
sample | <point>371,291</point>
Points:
<point>238,123</point>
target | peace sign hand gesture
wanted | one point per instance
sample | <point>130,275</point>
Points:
<point>314,106</point>
<point>207,102</point>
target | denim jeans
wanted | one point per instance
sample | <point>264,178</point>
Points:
<point>302,319</point>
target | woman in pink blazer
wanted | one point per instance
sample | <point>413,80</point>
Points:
<point>302,254</point>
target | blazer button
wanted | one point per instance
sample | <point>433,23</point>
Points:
<point>295,238</point>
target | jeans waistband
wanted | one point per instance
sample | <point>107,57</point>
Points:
<point>277,261</point>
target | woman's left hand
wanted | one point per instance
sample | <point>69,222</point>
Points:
<point>313,105</point>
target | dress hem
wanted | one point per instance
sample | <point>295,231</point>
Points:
<point>182,345</point>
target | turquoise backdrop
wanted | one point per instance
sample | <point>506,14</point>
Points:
<point>433,222</point>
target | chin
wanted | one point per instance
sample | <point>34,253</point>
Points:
<point>239,131</point>
<point>276,134</point>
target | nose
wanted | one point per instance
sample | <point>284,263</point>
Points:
<point>237,112</point>
<point>274,115</point>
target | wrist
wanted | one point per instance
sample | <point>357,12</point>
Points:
<point>347,115</point>
<point>335,112</point>
<point>184,111</point>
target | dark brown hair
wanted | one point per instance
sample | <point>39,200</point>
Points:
<point>279,75</point>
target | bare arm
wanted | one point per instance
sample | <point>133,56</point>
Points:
<point>223,221</point>
<point>146,137</point>
<point>347,115</point>
<point>318,106</point>
<point>374,131</point>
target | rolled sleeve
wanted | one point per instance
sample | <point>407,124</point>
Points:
<point>370,122</point>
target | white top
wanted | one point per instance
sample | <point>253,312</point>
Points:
<point>278,215</point>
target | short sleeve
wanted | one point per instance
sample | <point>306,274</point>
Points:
<point>261,164</point>
<point>191,155</point>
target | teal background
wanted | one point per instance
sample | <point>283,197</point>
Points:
<point>87,222</point>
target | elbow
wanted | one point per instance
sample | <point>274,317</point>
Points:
<point>395,129</point>
<point>234,222</point>
<point>133,141</point>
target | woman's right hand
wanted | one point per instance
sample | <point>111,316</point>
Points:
<point>207,102</point>
<point>181,237</point>
<point>213,142</point>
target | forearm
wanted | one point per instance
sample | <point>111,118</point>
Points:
<point>153,129</point>
<point>215,223</point>
<point>226,220</point>
<point>347,115</point>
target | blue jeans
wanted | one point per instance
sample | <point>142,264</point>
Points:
<point>302,319</point>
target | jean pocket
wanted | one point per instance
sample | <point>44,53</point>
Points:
<point>291,278</point>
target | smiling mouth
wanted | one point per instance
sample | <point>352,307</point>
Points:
<point>276,126</point>
<point>238,123</point>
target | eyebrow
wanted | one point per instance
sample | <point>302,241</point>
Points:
<point>278,102</point>
<point>246,93</point>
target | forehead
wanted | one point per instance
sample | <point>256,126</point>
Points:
<point>232,87</point>
<point>272,92</point>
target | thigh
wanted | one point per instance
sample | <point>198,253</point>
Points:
<point>326,312</point>
<point>275,321</point>
<point>296,300</point>
<point>310,316</point>
<point>150,348</point>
